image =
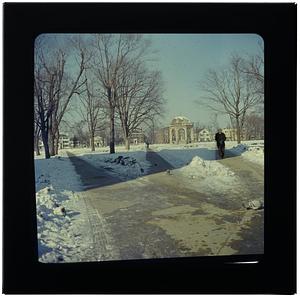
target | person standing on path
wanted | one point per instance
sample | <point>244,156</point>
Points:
<point>220,139</point>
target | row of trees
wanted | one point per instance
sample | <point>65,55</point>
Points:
<point>109,74</point>
<point>236,90</point>
<point>54,88</point>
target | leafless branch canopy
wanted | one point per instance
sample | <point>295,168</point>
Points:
<point>232,91</point>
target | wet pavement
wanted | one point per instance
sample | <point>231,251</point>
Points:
<point>160,215</point>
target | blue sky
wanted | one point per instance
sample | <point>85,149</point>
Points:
<point>184,59</point>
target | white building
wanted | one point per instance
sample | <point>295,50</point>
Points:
<point>64,141</point>
<point>204,135</point>
<point>181,130</point>
<point>231,134</point>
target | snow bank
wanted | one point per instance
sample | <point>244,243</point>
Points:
<point>62,222</point>
<point>251,151</point>
<point>208,174</point>
<point>200,168</point>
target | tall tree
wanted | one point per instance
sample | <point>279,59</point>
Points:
<point>231,91</point>
<point>90,109</point>
<point>68,84</point>
<point>37,134</point>
<point>80,132</point>
<point>111,52</point>
<point>54,88</point>
<point>43,95</point>
<point>253,66</point>
<point>139,98</point>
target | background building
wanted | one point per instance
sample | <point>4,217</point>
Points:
<point>181,130</point>
<point>204,135</point>
<point>64,141</point>
<point>231,134</point>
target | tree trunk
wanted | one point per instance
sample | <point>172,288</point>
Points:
<point>51,136</point>
<point>56,146</point>
<point>36,145</point>
<point>92,142</point>
<point>238,130</point>
<point>127,142</point>
<point>56,141</point>
<point>52,144</point>
<point>45,142</point>
<point>112,131</point>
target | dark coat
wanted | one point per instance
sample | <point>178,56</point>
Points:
<point>220,138</point>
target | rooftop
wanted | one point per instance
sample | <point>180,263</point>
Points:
<point>180,120</point>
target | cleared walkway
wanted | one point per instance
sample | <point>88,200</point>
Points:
<point>159,216</point>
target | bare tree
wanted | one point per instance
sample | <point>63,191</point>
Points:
<point>80,132</point>
<point>54,88</point>
<point>37,129</point>
<point>37,134</point>
<point>254,126</point>
<point>253,66</point>
<point>139,98</point>
<point>90,109</point>
<point>214,123</point>
<point>43,96</point>
<point>231,91</point>
<point>43,110</point>
<point>67,86</point>
<point>111,52</point>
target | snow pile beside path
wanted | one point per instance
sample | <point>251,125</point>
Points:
<point>211,174</point>
<point>126,166</point>
<point>253,152</point>
<point>239,149</point>
<point>200,168</point>
<point>62,223</point>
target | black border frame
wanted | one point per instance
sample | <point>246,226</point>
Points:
<point>276,270</point>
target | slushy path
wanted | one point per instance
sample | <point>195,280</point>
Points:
<point>159,216</point>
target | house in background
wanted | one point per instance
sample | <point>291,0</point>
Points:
<point>64,141</point>
<point>204,135</point>
<point>231,134</point>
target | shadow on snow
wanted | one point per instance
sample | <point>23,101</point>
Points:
<point>92,176</point>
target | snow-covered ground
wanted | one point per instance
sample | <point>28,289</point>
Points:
<point>124,164</point>
<point>62,223</point>
<point>181,155</point>
<point>252,151</point>
<point>64,232</point>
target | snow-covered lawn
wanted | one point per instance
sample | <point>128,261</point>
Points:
<point>125,165</point>
<point>62,222</point>
<point>252,151</point>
